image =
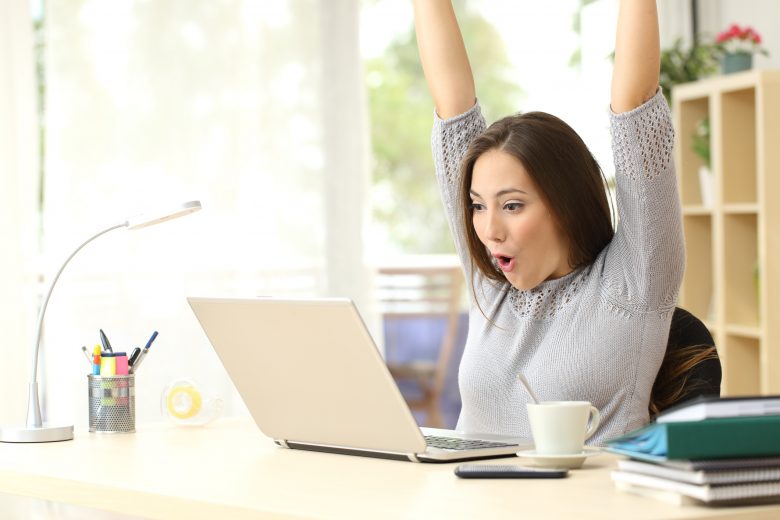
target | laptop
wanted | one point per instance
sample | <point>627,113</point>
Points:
<point>312,379</point>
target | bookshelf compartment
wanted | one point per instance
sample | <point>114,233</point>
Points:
<point>740,264</point>
<point>737,145</point>
<point>740,363</point>
<point>691,113</point>
<point>697,290</point>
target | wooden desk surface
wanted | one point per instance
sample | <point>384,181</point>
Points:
<point>229,470</point>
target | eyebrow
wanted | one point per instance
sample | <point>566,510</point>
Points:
<point>502,192</point>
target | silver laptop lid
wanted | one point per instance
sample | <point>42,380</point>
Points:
<point>309,372</point>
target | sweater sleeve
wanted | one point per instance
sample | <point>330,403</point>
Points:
<point>450,140</point>
<point>644,263</point>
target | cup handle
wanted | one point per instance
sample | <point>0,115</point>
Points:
<point>593,422</point>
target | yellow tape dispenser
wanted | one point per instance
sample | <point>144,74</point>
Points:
<point>182,402</point>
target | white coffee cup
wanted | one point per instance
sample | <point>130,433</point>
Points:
<point>561,427</point>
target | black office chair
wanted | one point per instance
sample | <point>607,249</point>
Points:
<point>691,367</point>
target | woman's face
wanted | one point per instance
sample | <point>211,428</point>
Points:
<point>512,220</point>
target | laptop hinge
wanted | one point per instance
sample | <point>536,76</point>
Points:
<point>324,448</point>
<point>281,442</point>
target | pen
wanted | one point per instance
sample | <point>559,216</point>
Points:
<point>151,340</point>
<point>86,354</point>
<point>139,359</point>
<point>104,341</point>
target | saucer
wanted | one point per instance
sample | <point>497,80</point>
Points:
<point>569,461</point>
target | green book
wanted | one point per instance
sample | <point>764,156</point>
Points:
<point>721,438</point>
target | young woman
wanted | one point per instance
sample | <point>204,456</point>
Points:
<point>582,311</point>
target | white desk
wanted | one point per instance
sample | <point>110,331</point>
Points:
<point>230,471</point>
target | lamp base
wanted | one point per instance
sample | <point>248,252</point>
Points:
<point>42,434</point>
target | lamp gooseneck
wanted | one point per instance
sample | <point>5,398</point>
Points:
<point>34,419</point>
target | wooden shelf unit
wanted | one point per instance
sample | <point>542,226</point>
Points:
<point>732,276</point>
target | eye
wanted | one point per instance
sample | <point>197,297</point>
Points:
<point>477,206</point>
<point>513,206</point>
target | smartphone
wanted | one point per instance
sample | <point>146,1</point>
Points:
<point>507,471</point>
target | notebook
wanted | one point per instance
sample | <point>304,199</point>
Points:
<point>671,490</point>
<point>312,378</point>
<point>722,438</point>
<point>709,407</point>
<point>768,473</point>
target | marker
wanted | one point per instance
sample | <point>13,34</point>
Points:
<point>96,361</point>
<point>104,341</point>
<point>108,364</point>
<point>86,354</point>
<point>121,363</point>
<point>139,360</point>
<point>134,356</point>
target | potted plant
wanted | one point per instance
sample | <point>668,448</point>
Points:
<point>736,47</point>
<point>700,143</point>
<point>680,65</point>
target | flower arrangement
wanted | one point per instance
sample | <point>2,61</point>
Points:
<point>736,40</point>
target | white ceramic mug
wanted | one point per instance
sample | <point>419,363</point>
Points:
<point>561,427</point>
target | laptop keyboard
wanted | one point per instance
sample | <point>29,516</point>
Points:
<point>450,443</point>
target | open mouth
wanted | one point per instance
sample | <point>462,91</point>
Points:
<point>505,263</point>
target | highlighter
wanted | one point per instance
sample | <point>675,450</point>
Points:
<point>108,364</point>
<point>96,361</point>
<point>121,363</point>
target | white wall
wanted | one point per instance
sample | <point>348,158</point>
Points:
<point>18,171</point>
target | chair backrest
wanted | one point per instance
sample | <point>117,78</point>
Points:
<point>425,290</point>
<point>690,342</point>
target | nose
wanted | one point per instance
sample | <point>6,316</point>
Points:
<point>493,229</point>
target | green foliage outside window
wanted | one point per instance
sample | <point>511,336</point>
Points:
<point>406,199</point>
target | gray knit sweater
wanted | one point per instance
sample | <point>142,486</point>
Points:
<point>599,333</point>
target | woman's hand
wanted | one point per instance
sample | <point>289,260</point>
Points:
<point>443,56</point>
<point>637,55</point>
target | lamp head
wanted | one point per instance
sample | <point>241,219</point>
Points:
<point>150,219</point>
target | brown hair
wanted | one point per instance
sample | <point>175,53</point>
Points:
<point>690,366</point>
<point>565,172</point>
<point>673,381</point>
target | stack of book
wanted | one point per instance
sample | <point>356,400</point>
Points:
<point>711,451</point>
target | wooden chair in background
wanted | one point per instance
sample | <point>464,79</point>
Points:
<point>430,290</point>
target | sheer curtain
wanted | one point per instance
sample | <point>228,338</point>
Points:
<point>18,223</point>
<point>253,107</point>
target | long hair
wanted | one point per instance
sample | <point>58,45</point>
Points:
<point>674,380</point>
<point>690,366</point>
<point>565,172</point>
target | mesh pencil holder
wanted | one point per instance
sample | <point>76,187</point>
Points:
<point>112,404</point>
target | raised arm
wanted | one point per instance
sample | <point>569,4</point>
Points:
<point>637,55</point>
<point>443,56</point>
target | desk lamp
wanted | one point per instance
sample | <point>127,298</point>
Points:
<point>35,430</point>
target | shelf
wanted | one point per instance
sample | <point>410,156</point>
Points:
<point>697,210</point>
<point>743,331</point>
<point>731,280</point>
<point>740,209</point>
